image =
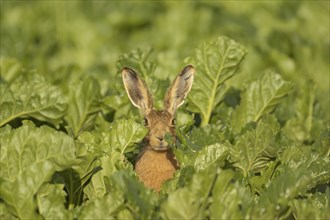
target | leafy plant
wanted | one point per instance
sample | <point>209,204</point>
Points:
<point>253,145</point>
<point>261,97</point>
<point>216,62</point>
<point>45,102</point>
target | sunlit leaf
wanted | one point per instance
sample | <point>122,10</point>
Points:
<point>261,97</point>
<point>51,202</point>
<point>31,96</point>
<point>84,98</point>
<point>255,147</point>
<point>124,134</point>
<point>210,155</point>
<point>189,202</point>
<point>29,158</point>
<point>216,62</point>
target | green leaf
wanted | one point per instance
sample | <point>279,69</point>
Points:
<point>72,183</point>
<point>190,202</point>
<point>5,212</point>
<point>261,97</point>
<point>121,139</point>
<point>299,128</point>
<point>96,187</point>
<point>230,200</point>
<point>191,143</point>
<point>31,96</point>
<point>182,177</point>
<point>29,158</point>
<point>258,183</point>
<point>255,148</point>
<point>127,197</point>
<point>194,138</point>
<point>139,200</point>
<point>274,203</point>
<point>76,178</point>
<point>10,69</point>
<point>124,134</point>
<point>320,172</point>
<point>51,202</point>
<point>216,62</point>
<point>94,163</point>
<point>293,157</point>
<point>211,155</point>
<point>299,157</point>
<point>84,101</point>
<point>138,60</point>
<point>316,206</point>
<point>101,208</point>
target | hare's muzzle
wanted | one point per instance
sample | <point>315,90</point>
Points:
<point>158,143</point>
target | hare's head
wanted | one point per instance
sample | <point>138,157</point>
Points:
<point>158,122</point>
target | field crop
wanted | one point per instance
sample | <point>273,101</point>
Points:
<point>253,135</point>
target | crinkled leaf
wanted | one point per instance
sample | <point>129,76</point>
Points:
<point>181,178</point>
<point>320,171</point>
<point>230,200</point>
<point>31,96</point>
<point>190,202</point>
<point>256,147</point>
<point>112,145</point>
<point>95,163</point>
<point>260,97</point>
<point>29,158</point>
<point>211,155</point>
<point>216,62</point>
<point>124,134</point>
<point>314,207</point>
<point>290,183</point>
<point>259,182</point>
<point>139,200</point>
<point>101,208</point>
<point>51,202</point>
<point>275,201</point>
<point>76,178</point>
<point>194,138</point>
<point>190,142</point>
<point>84,99</point>
<point>109,164</point>
<point>318,166</point>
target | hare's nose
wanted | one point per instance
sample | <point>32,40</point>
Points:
<point>160,138</point>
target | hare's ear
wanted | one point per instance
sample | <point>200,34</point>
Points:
<point>179,89</point>
<point>137,90</point>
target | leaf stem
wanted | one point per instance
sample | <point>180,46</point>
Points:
<point>214,89</point>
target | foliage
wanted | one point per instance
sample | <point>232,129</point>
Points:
<point>253,138</point>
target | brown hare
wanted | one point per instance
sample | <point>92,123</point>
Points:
<point>157,162</point>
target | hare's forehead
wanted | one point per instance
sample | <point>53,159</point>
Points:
<point>159,116</point>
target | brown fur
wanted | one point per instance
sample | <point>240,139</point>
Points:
<point>157,163</point>
<point>156,167</point>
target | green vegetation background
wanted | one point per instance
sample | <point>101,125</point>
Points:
<point>289,37</point>
<point>60,68</point>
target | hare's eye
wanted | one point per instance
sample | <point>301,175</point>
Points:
<point>146,122</point>
<point>173,122</point>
